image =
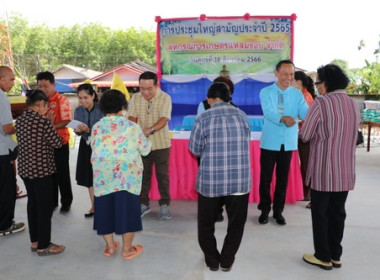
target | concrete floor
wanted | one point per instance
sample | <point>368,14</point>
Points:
<point>171,248</point>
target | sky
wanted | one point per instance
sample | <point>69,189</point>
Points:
<point>324,30</point>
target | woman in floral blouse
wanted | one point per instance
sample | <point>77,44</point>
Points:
<point>117,146</point>
<point>37,139</point>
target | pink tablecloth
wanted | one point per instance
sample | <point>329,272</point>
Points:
<point>183,173</point>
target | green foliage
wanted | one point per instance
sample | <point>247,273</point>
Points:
<point>40,47</point>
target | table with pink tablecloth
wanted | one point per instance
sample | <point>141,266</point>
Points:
<point>183,169</point>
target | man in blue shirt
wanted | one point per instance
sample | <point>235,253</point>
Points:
<point>282,105</point>
<point>220,137</point>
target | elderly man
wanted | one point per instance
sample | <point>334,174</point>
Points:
<point>151,108</point>
<point>282,105</point>
<point>220,137</point>
<point>7,145</point>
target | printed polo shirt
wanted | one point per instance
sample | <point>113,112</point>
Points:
<point>61,107</point>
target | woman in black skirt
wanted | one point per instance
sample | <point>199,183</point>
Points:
<point>88,113</point>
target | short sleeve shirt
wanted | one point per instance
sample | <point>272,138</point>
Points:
<point>6,142</point>
<point>149,112</point>
<point>61,107</point>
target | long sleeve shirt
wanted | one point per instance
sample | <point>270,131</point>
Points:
<point>331,126</point>
<point>220,137</point>
<point>275,104</point>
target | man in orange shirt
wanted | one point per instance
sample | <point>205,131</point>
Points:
<point>60,115</point>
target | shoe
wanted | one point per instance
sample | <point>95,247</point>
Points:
<point>263,219</point>
<point>145,209</point>
<point>89,214</point>
<point>336,264</point>
<point>48,252</point>
<point>138,251</point>
<point>308,206</point>
<point>226,269</point>
<point>213,268</point>
<point>279,219</point>
<point>64,210</point>
<point>311,259</point>
<point>15,227</point>
<point>165,213</point>
<point>219,218</point>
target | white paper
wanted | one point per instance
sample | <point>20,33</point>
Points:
<point>74,124</point>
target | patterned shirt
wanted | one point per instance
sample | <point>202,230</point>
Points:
<point>331,126</point>
<point>149,112</point>
<point>61,107</point>
<point>220,137</point>
<point>37,139</point>
<point>117,145</point>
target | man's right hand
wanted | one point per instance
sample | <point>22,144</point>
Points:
<point>288,120</point>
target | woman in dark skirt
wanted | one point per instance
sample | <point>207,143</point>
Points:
<point>117,146</point>
<point>88,113</point>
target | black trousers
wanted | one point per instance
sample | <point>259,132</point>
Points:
<point>160,159</point>
<point>62,179</point>
<point>7,192</point>
<point>303,153</point>
<point>208,207</point>
<point>328,215</point>
<point>268,159</point>
<point>40,209</point>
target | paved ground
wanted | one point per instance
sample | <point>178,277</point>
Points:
<point>171,248</point>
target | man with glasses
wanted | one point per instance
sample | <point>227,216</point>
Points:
<point>282,105</point>
<point>151,109</point>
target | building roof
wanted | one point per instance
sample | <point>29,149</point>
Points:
<point>74,72</point>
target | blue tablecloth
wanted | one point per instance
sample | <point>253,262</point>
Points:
<point>255,122</point>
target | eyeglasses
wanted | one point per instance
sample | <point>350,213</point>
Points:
<point>148,110</point>
<point>317,83</point>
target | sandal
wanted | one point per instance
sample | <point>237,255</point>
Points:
<point>138,251</point>
<point>47,251</point>
<point>107,253</point>
<point>308,206</point>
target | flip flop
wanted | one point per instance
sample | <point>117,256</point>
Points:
<point>108,254</point>
<point>138,248</point>
<point>21,194</point>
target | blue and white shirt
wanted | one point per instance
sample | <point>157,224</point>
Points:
<point>221,138</point>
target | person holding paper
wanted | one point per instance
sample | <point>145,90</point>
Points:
<point>88,113</point>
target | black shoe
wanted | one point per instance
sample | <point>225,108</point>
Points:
<point>214,268</point>
<point>226,269</point>
<point>279,219</point>
<point>219,218</point>
<point>89,214</point>
<point>64,210</point>
<point>263,219</point>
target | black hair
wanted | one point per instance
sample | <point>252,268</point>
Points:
<point>227,81</point>
<point>333,77</point>
<point>285,61</point>
<point>148,75</point>
<point>89,90</point>
<point>46,76</point>
<point>112,102</point>
<point>306,81</point>
<point>219,90</point>
<point>34,96</point>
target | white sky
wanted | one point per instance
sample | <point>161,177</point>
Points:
<point>324,29</point>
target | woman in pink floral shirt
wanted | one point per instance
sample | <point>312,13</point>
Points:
<point>117,146</point>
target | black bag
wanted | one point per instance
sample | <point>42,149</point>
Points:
<point>360,139</point>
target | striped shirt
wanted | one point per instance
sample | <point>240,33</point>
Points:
<point>148,112</point>
<point>220,137</point>
<point>331,126</point>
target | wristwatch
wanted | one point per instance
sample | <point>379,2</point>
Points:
<point>152,131</point>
